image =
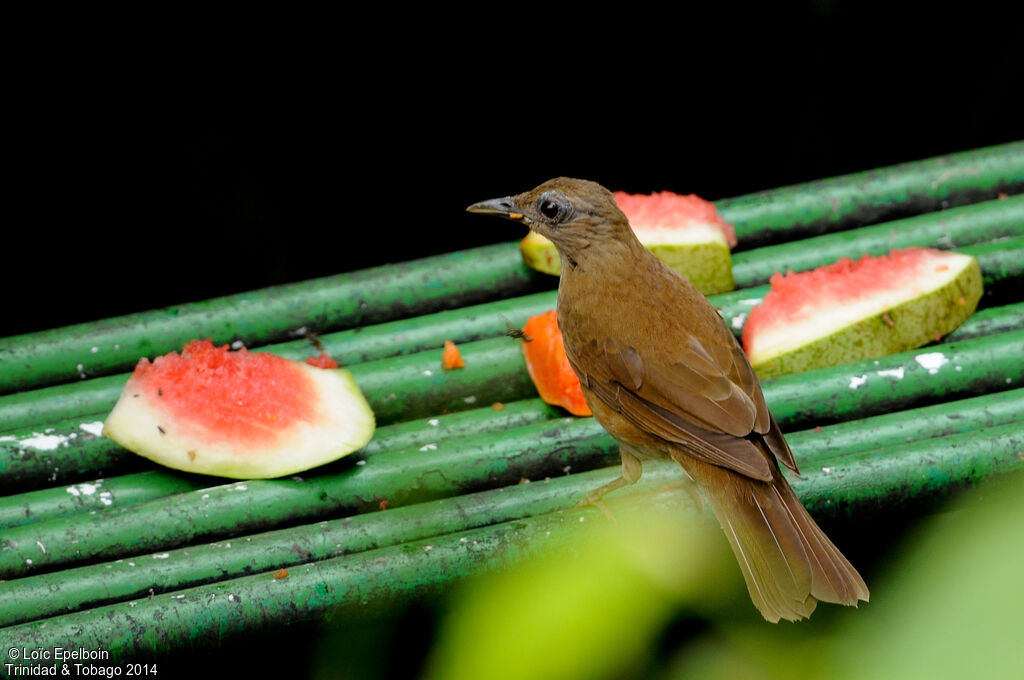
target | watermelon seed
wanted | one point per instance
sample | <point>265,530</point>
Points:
<point>162,430</point>
<point>888,320</point>
<point>191,455</point>
<point>159,391</point>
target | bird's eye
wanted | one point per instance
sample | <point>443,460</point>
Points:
<point>551,208</point>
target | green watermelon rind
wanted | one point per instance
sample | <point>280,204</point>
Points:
<point>134,425</point>
<point>914,323</point>
<point>708,265</point>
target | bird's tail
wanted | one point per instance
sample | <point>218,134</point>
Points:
<point>787,561</point>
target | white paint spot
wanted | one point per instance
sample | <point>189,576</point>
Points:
<point>231,598</point>
<point>117,346</point>
<point>428,372</point>
<point>582,519</point>
<point>428,447</point>
<point>161,556</point>
<point>237,345</point>
<point>894,372</point>
<point>751,302</point>
<point>360,462</point>
<point>737,321</point>
<point>204,496</point>
<point>240,487</point>
<point>434,422</point>
<point>41,547</point>
<point>932,361</point>
<point>28,561</point>
<point>95,428</point>
<point>94,350</point>
<point>84,488</point>
<point>470,400</point>
<point>857,381</point>
<point>106,498</point>
<point>826,470</point>
<point>44,442</point>
<point>79,368</point>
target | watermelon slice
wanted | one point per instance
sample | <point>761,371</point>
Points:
<point>238,414</point>
<point>548,366</point>
<point>684,231</point>
<point>848,311</point>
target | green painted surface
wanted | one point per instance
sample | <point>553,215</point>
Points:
<point>184,619</point>
<point>926,375</point>
<point>131,577</point>
<point>257,317</point>
<point>946,230</point>
<point>127,489</point>
<point>801,210</point>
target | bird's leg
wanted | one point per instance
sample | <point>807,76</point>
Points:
<point>632,468</point>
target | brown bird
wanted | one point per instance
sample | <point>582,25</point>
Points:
<point>666,377</point>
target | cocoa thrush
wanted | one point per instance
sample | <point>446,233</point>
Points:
<point>665,376</point>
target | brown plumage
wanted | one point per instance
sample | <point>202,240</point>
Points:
<point>666,377</point>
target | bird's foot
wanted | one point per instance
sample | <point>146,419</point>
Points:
<point>593,499</point>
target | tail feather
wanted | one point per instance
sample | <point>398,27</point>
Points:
<point>787,561</point>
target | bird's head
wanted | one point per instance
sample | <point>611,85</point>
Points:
<point>574,213</point>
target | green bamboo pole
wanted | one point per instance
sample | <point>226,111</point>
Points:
<point>989,322</point>
<point>401,477</point>
<point>800,210</point>
<point>428,331</point>
<point>891,430</point>
<point>1002,262</point>
<point>103,494</point>
<point>918,472</point>
<point>268,315</point>
<point>948,229</point>
<point>57,592</point>
<point>885,481</point>
<point>929,374</point>
<point>68,450</point>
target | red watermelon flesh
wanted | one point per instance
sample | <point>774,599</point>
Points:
<point>238,414</point>
<point>667,211</point>
<point>856,309</point>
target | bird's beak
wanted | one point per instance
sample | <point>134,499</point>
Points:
<point>505,207</point>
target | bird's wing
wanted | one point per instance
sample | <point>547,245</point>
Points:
<point>701,395</point>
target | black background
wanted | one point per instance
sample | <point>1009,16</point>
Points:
<point>134,185</point>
